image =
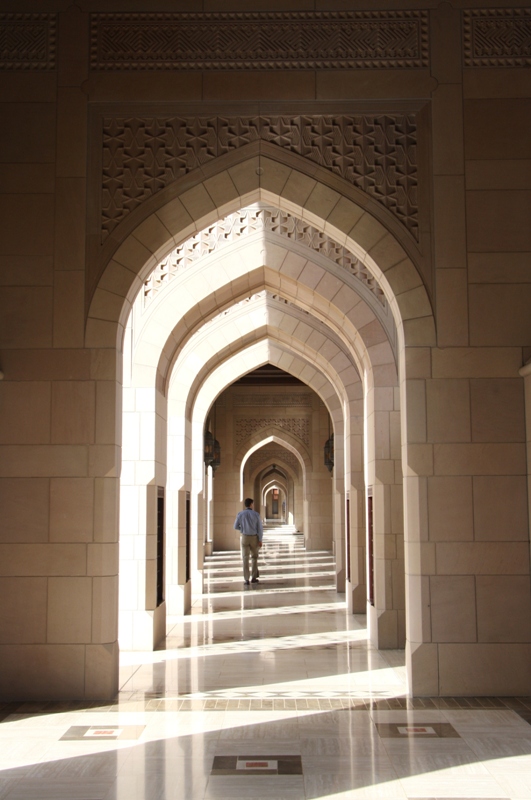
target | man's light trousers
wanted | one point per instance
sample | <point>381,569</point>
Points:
<point>250,547</point>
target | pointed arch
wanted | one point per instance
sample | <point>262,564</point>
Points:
<point>187,206</point>
<point>134,250</point>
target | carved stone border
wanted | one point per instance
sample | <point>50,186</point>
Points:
<point>245,222</point>
<point>260,40</point>
<point>497,37</point>
<point>278,399</point>
<point>27,42</point>
<point>377,153</point>
<point>245,427</point>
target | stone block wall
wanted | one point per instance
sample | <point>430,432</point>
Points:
<point>461,225</point>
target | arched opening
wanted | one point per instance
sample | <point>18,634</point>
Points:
<point>350,354</point>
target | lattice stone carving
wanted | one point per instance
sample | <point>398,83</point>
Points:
<point>497,37</point>
<point>244,223</point>
<point>27,41</point>
<point>260,40</point>
<point>261,399</point>
<point>297,426</point>
<point>376,153</point>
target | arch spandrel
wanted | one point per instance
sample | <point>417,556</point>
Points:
<point>275,158</point>
<point>137,251</point>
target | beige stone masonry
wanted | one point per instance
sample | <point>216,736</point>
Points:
<point>411,349</point>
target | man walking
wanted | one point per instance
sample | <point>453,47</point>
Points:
<point>249,524</point>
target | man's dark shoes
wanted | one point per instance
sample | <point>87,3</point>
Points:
<point>255,580</point>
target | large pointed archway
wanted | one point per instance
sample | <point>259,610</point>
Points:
<point>385,257</point>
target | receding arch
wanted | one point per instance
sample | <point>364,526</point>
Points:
<point>382,249</point>
<point>230,370</point>
<point>135,249</point>
<point>279,462</point>
<point>281,437</point>
<point>261,269</point>
<point>302,459</point>
<point>278,439</point>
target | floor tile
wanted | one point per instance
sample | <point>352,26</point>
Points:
<point>278,675</point>
<point>416,729</point>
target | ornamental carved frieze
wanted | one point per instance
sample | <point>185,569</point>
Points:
<point>260,40</point>
<point>245,427</point>
<point>277,399</point>
<point>497,37</point>
<point>27,42</point>
<point>246,222</point>
<point>377,153</point>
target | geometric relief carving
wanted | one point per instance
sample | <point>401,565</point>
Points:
<point>272,400</point>
<point>244,223</point>
<point>297,426</point>
<point>497,37</point>
<point>27,41</point>
<point>377,153</point>
<point>260,40</point>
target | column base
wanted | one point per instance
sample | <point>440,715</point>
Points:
<point>422,669</point>
<point>142,630</point>
<point>340,581</point>
<point>386,628</point>
<point>59,672</point>
<point>468,669</point>
<point>356,597</point>
<point>485,669</point>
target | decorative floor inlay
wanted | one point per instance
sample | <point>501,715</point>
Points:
<point>78,733</point>
<point>426,730</point>
<point>251,701</point>
<point>257,765</point>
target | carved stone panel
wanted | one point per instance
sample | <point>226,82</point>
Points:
<point>299,427</point>
<point>260,40</point>
<point>27,41</point>
<point>261,399</point>
<point>497,37</point>
<point>376,153</point>
<point>243,223</point>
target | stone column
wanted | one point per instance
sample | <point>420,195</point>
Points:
<point>525,372</point>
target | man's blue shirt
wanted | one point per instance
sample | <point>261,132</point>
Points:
<point>249,523</point>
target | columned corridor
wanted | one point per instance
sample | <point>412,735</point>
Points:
<point>289,637</point>
<point>268,691</point>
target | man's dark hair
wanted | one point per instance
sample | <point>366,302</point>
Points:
<point>248,502</point>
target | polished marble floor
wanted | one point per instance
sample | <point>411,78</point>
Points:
<point>267,691</point>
